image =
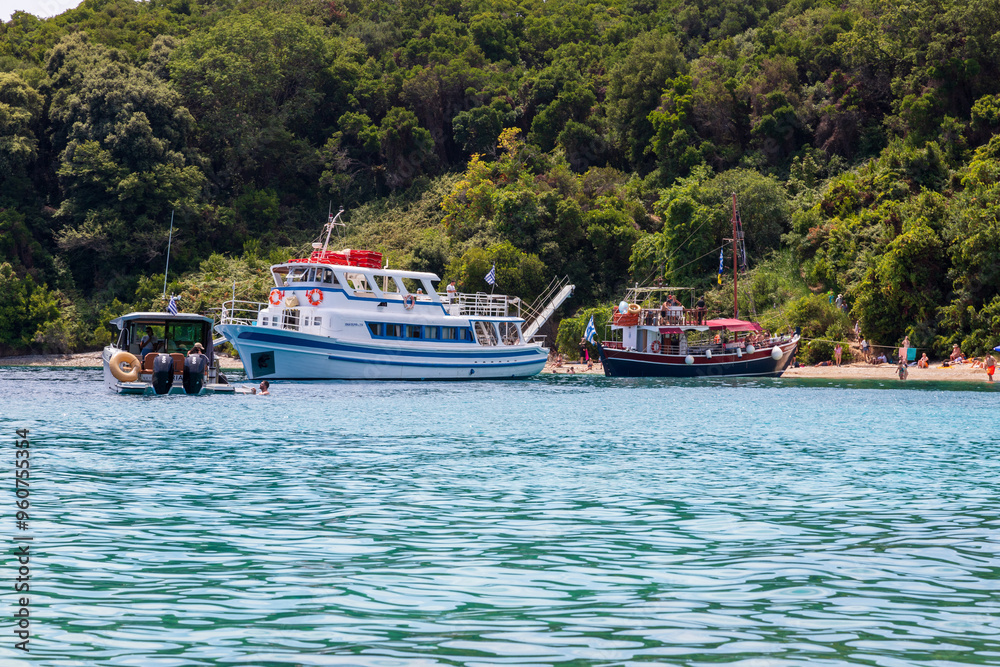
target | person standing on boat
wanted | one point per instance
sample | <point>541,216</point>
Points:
<point>148,343</point>
<point>452,291</point>
<point>700,309</point>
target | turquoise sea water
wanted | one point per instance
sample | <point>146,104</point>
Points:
<point>550,521</point>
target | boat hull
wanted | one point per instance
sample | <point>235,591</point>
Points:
<point>277,354</point>
<point>630,363</point>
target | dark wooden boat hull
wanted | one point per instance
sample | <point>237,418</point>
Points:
<point>629,363</point>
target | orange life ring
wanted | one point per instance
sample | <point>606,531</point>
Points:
<point>276,296</point>
<point>315,296</point>
<point>655,347</point>
<point>408,301</point>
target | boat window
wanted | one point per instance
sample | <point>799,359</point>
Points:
<point>181,336</point>
<point>305,321</point>
<point>290,319</point>
<point>326,276</point>
<point>394,330</point>
<point>279,276</point>
<point>485,333</point>
<point>317,321</point>
<point>375,328</point>
<point>431,333</point>
<point>263,320</point>
<point>390,285</point>
<point>413,331</point>
<point>299,275</point>
<point>509,333</point>
<point>357,282</point>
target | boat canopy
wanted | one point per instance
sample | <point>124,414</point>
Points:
<point>732,325</point>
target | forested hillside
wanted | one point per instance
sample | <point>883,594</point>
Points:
<point>598,140</point>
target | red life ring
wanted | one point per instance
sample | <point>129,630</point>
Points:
<point>408,301</point>
<point>276,296</point>
<point>315,296</point>
<point>655,347</point>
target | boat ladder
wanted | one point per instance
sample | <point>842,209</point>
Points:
<point>539,312</point>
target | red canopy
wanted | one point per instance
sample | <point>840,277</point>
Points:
<point>732,325</point>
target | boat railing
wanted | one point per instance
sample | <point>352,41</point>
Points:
<point>482,304</point>
<point>675,316</point>
<point>240,312</point>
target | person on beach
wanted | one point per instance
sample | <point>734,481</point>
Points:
<point>902,370</point>
<point>865,349</point>
<point>838,353</point>
<point>956,354</point>
<point>590,364</point>
<point>924,362</point>
<point>584,355</point>
<point>990,367</point>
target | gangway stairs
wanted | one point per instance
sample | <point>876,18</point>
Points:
<point>539,312</point>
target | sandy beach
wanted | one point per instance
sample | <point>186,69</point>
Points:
<point>858,371</point>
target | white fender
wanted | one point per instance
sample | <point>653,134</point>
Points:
<point>708,354</point>
<point>776,353</point>
<point>689,360</point>
<point>739,353</point>
<point>751,349</point>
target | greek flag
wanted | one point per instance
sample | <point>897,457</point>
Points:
<point>491,277</point>
<point>172,306</point>
<point>720,266</point>
<point>590,333</point>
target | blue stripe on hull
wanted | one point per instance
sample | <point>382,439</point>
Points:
<point>298,341</point>
<point>293,357</point>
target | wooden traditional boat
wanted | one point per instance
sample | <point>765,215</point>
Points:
<point>661,338</point>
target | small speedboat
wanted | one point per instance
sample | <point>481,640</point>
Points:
<point>150,356</point>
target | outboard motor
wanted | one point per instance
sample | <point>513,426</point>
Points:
<point>194,373</point>
<point>163,373</point>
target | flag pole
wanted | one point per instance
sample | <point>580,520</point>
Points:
<point>169,240</point>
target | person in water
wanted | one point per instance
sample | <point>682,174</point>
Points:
<point>264,384</point>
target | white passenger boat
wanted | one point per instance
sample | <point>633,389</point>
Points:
<point>150,356</point>
<point>340,315</point>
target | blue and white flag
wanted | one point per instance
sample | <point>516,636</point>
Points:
<point>491,277</point>
<point>590,333</point>
<point>172,306</point>
<point>720,266</point>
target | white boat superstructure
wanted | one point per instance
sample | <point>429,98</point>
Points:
<point>331,320</point>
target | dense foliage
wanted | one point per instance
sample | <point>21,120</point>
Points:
<point>598,140</point>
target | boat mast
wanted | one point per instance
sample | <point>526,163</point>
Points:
<point>736,241</point>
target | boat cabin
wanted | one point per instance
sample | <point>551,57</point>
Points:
<point>171,334</point>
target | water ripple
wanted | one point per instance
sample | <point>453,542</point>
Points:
<point>553,521</point>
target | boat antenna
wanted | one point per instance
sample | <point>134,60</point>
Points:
<point>170,238</point>
<point>737,237</point>
<point>331,222</point>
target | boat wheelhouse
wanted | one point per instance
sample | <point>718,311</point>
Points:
<point>150,356</point>
<point>343,316</point>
